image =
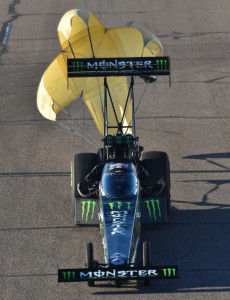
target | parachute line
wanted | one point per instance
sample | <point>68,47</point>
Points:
<point>75,121</point>
<point>112,103</point>
<point>138,105</point>
<point>78,134</point>
<point>71,48</point>
<point>131,86</point>
<point>141,98</point>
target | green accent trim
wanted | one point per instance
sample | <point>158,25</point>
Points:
<point>154,208</point>
<point>89,202</point>
<point>129,204</point>
<point>169,272</point>
<point>83,209</point>
<point>68,275</point>
<point>154,203</point>
<point>111,205</point>
<point>158,206</point>
<point>94,203</point>
<point>119,205</point>
<point>148,206</point>
<point>79,66</point>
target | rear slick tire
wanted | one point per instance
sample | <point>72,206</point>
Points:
<point>82,164</point>
<point>158,166</point>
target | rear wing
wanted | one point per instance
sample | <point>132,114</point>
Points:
<point>122,66</point>
<point>123,273</point>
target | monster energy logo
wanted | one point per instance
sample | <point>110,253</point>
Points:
<point>119,205</point>
<point>68,275</point>
<point>152,206</point>
<point>162,64</point>
<point>77,66</point>
<point>73,275</point>
<point>86,206</point>
<point>169,272</point>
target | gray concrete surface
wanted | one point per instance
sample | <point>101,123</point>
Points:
<point>190,121</point>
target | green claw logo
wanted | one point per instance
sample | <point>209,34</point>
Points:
<point>169,272</point>
<point>79,66</point>
<point>85,211</point>
<point>119,205</point>
<point>155,204</point>
<point>162,64</point>
<point>68,275</point>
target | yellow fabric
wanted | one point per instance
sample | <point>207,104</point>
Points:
<point>82,33</point>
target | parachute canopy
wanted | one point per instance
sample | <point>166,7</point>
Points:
<point>82,35</point>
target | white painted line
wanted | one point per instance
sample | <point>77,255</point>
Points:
<point>7,34</point>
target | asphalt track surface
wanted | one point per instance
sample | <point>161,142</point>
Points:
<point>190,121</point>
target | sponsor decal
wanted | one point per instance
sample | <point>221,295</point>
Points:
<point>117,261</point>
<point>118,165</point>
<point>87,205</point>
<point>169,272</point>
<point>110,65</point>
<point>69,275</point>
<point>118,222</point>
<point>162,64</point>
<point>113,273</point>
<point>77,66</point>
<point>118,65</point>
<point>119,205</point>
<point>118,272</point>
<point>154,210</point>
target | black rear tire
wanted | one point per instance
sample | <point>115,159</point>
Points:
<point>82,164</point>
<point>158,166</point>
<point>146,260</point>
<point>89,259</point>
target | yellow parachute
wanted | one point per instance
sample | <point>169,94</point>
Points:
<point>82,35</point>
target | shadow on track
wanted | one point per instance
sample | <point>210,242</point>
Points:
<point>198,239</point>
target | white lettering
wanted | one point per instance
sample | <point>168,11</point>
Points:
<point>142,272</point>
<point>119,220</point>
<point>118,231</point>
<point>83,275</point>
<point>122,65</point>
<point>121,273</point>
<point>139,64</point>
<point>111,273</point>
<point>130,64</point>
<point>103,65</point>
<point>99,273</point>
<point>148,64</point>
<point>112,65</point>
<point>92,66</point>
<point>131,272</point>
<point>152,272</point>
<point>119,214</point>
